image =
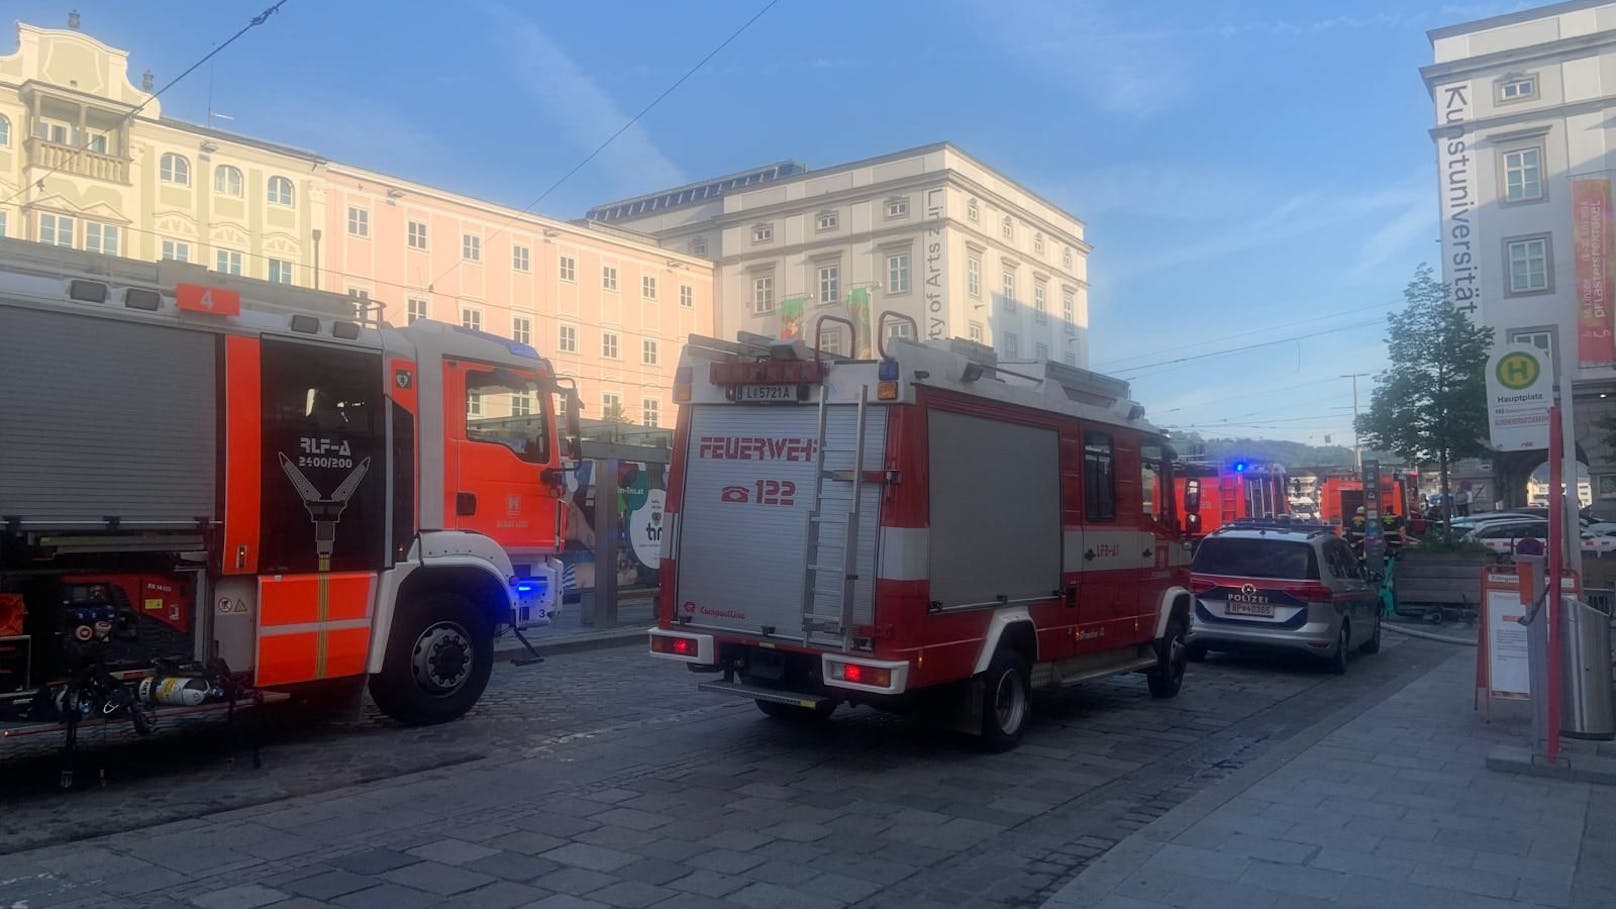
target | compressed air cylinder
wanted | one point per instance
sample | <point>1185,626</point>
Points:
<point>174,691</point>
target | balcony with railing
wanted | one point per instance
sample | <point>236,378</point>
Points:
<point>82,162</point>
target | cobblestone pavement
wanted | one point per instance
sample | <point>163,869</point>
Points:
<point>604,779</point>
<point>1392,807</point>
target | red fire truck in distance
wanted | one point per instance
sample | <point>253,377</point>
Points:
<point>1209,496</point>
<point>1341,496</point>
<point>926,530</point>
<point>204,475</point>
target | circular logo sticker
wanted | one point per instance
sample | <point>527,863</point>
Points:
<point>1518,370</point>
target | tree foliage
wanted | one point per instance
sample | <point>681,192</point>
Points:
<point>613,413</point>
<point>1430,404</point>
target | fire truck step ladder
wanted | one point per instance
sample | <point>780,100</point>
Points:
<point>827,606</point>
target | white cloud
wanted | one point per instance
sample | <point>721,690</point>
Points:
<point>581,111</point>
<point>1414,224</point>
<point>1169,192</point>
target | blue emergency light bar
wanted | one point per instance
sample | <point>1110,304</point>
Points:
<point>517,348</point>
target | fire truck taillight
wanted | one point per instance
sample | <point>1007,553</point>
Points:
<point>681,385</point>
<point>861,675</point>
<point>676,646</point>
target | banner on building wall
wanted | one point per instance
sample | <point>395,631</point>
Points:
<point>858,309</point>
<point>1593,241</point>
<point>791,309</point>
<point>1460,253</point>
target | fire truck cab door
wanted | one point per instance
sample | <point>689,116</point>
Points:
<point>497,443</point>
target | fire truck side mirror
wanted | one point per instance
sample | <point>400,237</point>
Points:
<point>1192,497</point>
<point>575,445</point>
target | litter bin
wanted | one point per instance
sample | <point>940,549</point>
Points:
<point>1585,673</point>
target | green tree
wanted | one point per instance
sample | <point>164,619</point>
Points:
<point>613,413</point>
<point>1431,403</point>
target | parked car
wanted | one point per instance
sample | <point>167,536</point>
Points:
<point>1296,588</point>
<point>1504,536</point>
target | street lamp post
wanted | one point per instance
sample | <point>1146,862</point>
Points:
<point>1357,450</point>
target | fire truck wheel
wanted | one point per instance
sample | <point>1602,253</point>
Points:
<point>1373,644</point>
<point>793,713</point>
<point>1343,648</point>
<point>1005,704</point>
<point>1195,653</point>
<point>439,657</point>
<point>1171,656</point>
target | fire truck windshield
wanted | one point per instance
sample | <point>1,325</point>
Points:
<point>504,408</point>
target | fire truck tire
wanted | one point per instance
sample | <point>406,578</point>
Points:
<point>1195,653</point>
<point>794,714</point>
<point>1172,653</point>
<point>439,657</point>
<point>1005,701</point>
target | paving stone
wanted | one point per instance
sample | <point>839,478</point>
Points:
<point>631,894</point>
<point>653,871</point>
<point>594,858</point>
<point>372,861</point>
<point>633,819</point>
<point>622,838</point>
<point>708,883</point>
<point>529,843</point>
<point>498,895</point>
<point>329,885</point>
<point>565,901</point>
<point>244,896</point>
<point>436,877</point>
<point>768,896</point>
<point>512,866</point>
<point>387,896</point>
<point>786,874</point>
<point>726,860</point>
<point>838,887</point>
<point>452,851</point>
<point>738,840</point>
<point>576,881</point>
<point>1315,882</point>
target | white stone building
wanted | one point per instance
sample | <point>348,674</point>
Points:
<point>930,233</point>
<point>1525,158</point>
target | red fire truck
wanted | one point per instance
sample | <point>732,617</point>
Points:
<point>1210,496</point>
<point>1341,496</point>
<point>925,530</point>
<point>213,487</point>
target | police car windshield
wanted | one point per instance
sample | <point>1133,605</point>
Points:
<point>1256,558</point>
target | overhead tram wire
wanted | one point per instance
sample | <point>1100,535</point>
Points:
<point>253,23</point>
<point>528,208</point>
<point>1117,364</point>
<point>1229,350</point>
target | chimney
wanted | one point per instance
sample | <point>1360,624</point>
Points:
<point>73,20</point>
<point>146,81</point>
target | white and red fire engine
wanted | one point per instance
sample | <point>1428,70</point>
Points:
<point>925,530</point>
<point>208,482</point>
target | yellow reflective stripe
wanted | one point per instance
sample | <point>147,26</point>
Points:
<point>322,615</point>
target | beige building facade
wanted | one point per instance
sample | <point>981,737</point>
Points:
<point>929,233</point>
<point>80,167</point>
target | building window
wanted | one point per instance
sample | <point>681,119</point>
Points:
<point>1099,477</point>
<point>972,210</point>
<point>608,277</point>
<point>280,271</point>
<point>521,404</point>
<point>1009,289</point>
<point>51,132</point>
<point>687,296</point>
<point>227,181</point>
<point>417,235</point>
<point>1038,244</point>
<point>415,309</point>
<point>521,258</point>
<point>176,251</point>
<point>471,247</point>
<point>522,330</point>
<point>1523,174</point>
<point>900,329</point>
<point>1042,352</point>
<point>648,287</point>
<point>698,246</point>
<point>1069,306</point>
<point>567,268</point>
<point>1012,345</point>
<point>567,340</point>
<point>361,302</point>
<point>828,220</point>
<point>5,132</point>
<point>1066,257</point>
<point>898,273</point>
<point>649,412</point>
<point>1008,229</point>
<point>471,318</point>
<point>1040,302</point>
<point>973,276</point>
<point>975,332</point>
<point>358,221</point>
<point>831,342</point>
<point>1542,340</point>
<point>280,191</point>
<point>648,352</point>
<point>1517,88</point>
<point>897,208</point>
<point>101,238</point>
<point>227,261</point>
<point>608,345</point>
<point>830,284</point>
<point>763,294</point>
<point>56,230</point>
<point>611,406</point>
<point>474,403</point>
<point>762,233</point>
<point>1528,262</point>
<point>172,168</point>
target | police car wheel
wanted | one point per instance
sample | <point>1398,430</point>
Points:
<point>439,657</point>
<point>1373,644</point>
<point>1343,647</point>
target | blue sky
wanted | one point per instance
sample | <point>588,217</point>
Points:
<point>1248,171</point>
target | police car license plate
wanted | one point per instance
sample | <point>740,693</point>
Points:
<point>1235,607</point>
<point>752,393</point>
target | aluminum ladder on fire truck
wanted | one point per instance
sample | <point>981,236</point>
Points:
<point>828,589</point>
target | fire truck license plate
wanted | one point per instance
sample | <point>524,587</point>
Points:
<point>1235,607</point>
<point>749,393</point>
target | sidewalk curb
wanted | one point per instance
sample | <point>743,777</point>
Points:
<point>1426,635</point>
<point>508,648</point>
<point>1099,880</point>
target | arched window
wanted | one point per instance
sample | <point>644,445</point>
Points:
<point>5,132</point>
<point>174,169</point>
<point>227,180</point>
<point>280,191</point>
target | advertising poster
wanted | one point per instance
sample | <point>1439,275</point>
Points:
<point>791,317</point>
<point>858,309</point>
<point>1508,672</point>
<point>641,498</point>
<point>1593,243</point>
